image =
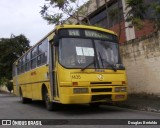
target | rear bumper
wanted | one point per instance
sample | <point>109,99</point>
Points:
<point>67,96</point>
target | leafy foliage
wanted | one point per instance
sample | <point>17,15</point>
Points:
<point>156,7</point>
<point>11,49</point>
<point>3,81</point>
<point>138,23</point>
<point>64,9</point>
<point>9,86</point>
<point>114,14</point>
<point>137,11</point>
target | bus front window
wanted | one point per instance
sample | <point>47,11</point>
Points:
<point>79,53</point>
<point>75,52</point>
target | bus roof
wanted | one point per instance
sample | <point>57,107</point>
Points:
<point>51,33</point>
<point>85,27</point>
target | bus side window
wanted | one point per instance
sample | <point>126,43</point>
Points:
<point>27,64</point>
<point>23,64</point>
<point>34,58</point>
<point>13,70</point>
<point>42,53</point>
<point>19,67</point>
<point>45,52</point>
<point>39,57</point>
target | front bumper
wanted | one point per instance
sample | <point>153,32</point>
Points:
<point>68,97</point>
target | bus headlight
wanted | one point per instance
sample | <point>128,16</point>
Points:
<point>120,89</point>
<point>80,90</point>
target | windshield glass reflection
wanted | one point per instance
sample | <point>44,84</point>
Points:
<point>79,53</point>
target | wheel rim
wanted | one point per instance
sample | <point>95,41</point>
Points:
<point>47,100</point>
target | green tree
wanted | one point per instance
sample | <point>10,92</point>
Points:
<point>3,81</point>
<point>156,14</point>
<point>65,9</point>
<point>115,15</point>
<point>11,49</point>
<point>9,86</point>
<point>137,11</point>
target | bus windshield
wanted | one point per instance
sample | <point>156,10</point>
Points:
<point>89,53</point>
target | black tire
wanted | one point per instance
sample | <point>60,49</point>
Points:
<point>23,99</point>
<point>48,103</point>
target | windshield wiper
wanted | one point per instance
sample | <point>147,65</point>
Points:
<point>111,65</point>
<point>101,59</point>
<point>93,62</point>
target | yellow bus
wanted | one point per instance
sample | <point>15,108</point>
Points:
<point>73,64</point>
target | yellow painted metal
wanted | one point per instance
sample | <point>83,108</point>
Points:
<point>85,78</point>
<point>31,82</point>
<point>85,27</point>
<point>67,96</point>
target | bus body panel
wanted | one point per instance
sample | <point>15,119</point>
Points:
<point>71,85</point>
<point>31,82</point>
<point>88,79</point>
<point>87,98</point>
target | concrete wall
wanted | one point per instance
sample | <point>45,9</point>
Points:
<point>141,58</point>
<point>4,88</point>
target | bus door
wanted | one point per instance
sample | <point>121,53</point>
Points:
<point>52,71</point>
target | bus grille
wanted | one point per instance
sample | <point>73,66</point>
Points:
<point>101,83</point>
<point>101,90</point>
<point>101,97</point>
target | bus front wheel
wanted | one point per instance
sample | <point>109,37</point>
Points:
<point>48,103</point>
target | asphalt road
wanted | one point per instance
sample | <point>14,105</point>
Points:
<point>12,108</point>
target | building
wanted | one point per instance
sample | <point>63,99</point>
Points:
<point>115,18</point>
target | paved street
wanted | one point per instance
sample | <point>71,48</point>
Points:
<point>12,108</point>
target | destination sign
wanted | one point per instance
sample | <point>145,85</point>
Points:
<point>96,34</point>
<point>86,33</point>
<point>74,32</point>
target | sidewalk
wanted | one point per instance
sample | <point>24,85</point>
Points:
<point>142,102</point>
<point>4,93</point>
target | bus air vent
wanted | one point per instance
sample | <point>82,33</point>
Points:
<point>101,89</point>
<point>101,83</point>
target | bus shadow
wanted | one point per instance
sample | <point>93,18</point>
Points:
<point>35,104</point>
<point>77,109</point>
<point>86,109</point>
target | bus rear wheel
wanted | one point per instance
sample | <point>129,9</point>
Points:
<point>24,100</point>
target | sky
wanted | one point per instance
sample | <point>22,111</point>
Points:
<point>23,17</point>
